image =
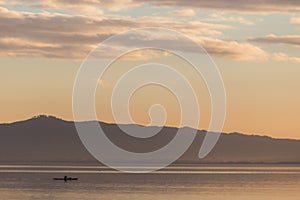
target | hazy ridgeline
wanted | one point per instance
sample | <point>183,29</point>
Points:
<point>51,140</point>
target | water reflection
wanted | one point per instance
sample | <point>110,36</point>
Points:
<point>176,182</point>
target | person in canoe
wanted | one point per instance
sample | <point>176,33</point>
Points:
<point>65,178</point>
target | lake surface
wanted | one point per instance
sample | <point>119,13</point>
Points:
<point>226,182</point>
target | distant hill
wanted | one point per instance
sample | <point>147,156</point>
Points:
<point>50,140</point>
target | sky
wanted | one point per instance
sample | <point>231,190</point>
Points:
<point>255,45</point>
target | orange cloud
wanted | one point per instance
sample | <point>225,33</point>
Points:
<point>285,57</point>
<point>233,49</point>
<point>217,17</point>
<point>184,13</point>
<point>295,20</point>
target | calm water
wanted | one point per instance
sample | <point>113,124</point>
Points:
<point>178,182</point>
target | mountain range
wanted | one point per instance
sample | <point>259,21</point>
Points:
<point>47,139</point>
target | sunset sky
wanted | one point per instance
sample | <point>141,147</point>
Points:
<point>255,44</point>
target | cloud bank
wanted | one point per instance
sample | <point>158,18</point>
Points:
<point>73,36</point>
<point>96,6</point>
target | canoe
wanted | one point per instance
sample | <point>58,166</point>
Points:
<point>66,179</point>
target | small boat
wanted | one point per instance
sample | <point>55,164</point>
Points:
<point>65,178</point>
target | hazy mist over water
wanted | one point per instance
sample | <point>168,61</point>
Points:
<point>175,182</point>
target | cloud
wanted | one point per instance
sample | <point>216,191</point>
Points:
<point>295,59</point>
<point>217,17</point>
<point>274,39</point>
<point>72,37</point>
<point>285,57</point>
<point>295,20</point>
<point>145,54</point>
<point>88,7</point>
<point>78,7</point>
<point>217,47</point>
<point>233,49</point>
<point>184,13</point>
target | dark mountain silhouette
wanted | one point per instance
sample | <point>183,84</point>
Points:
<point>47,139</point>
